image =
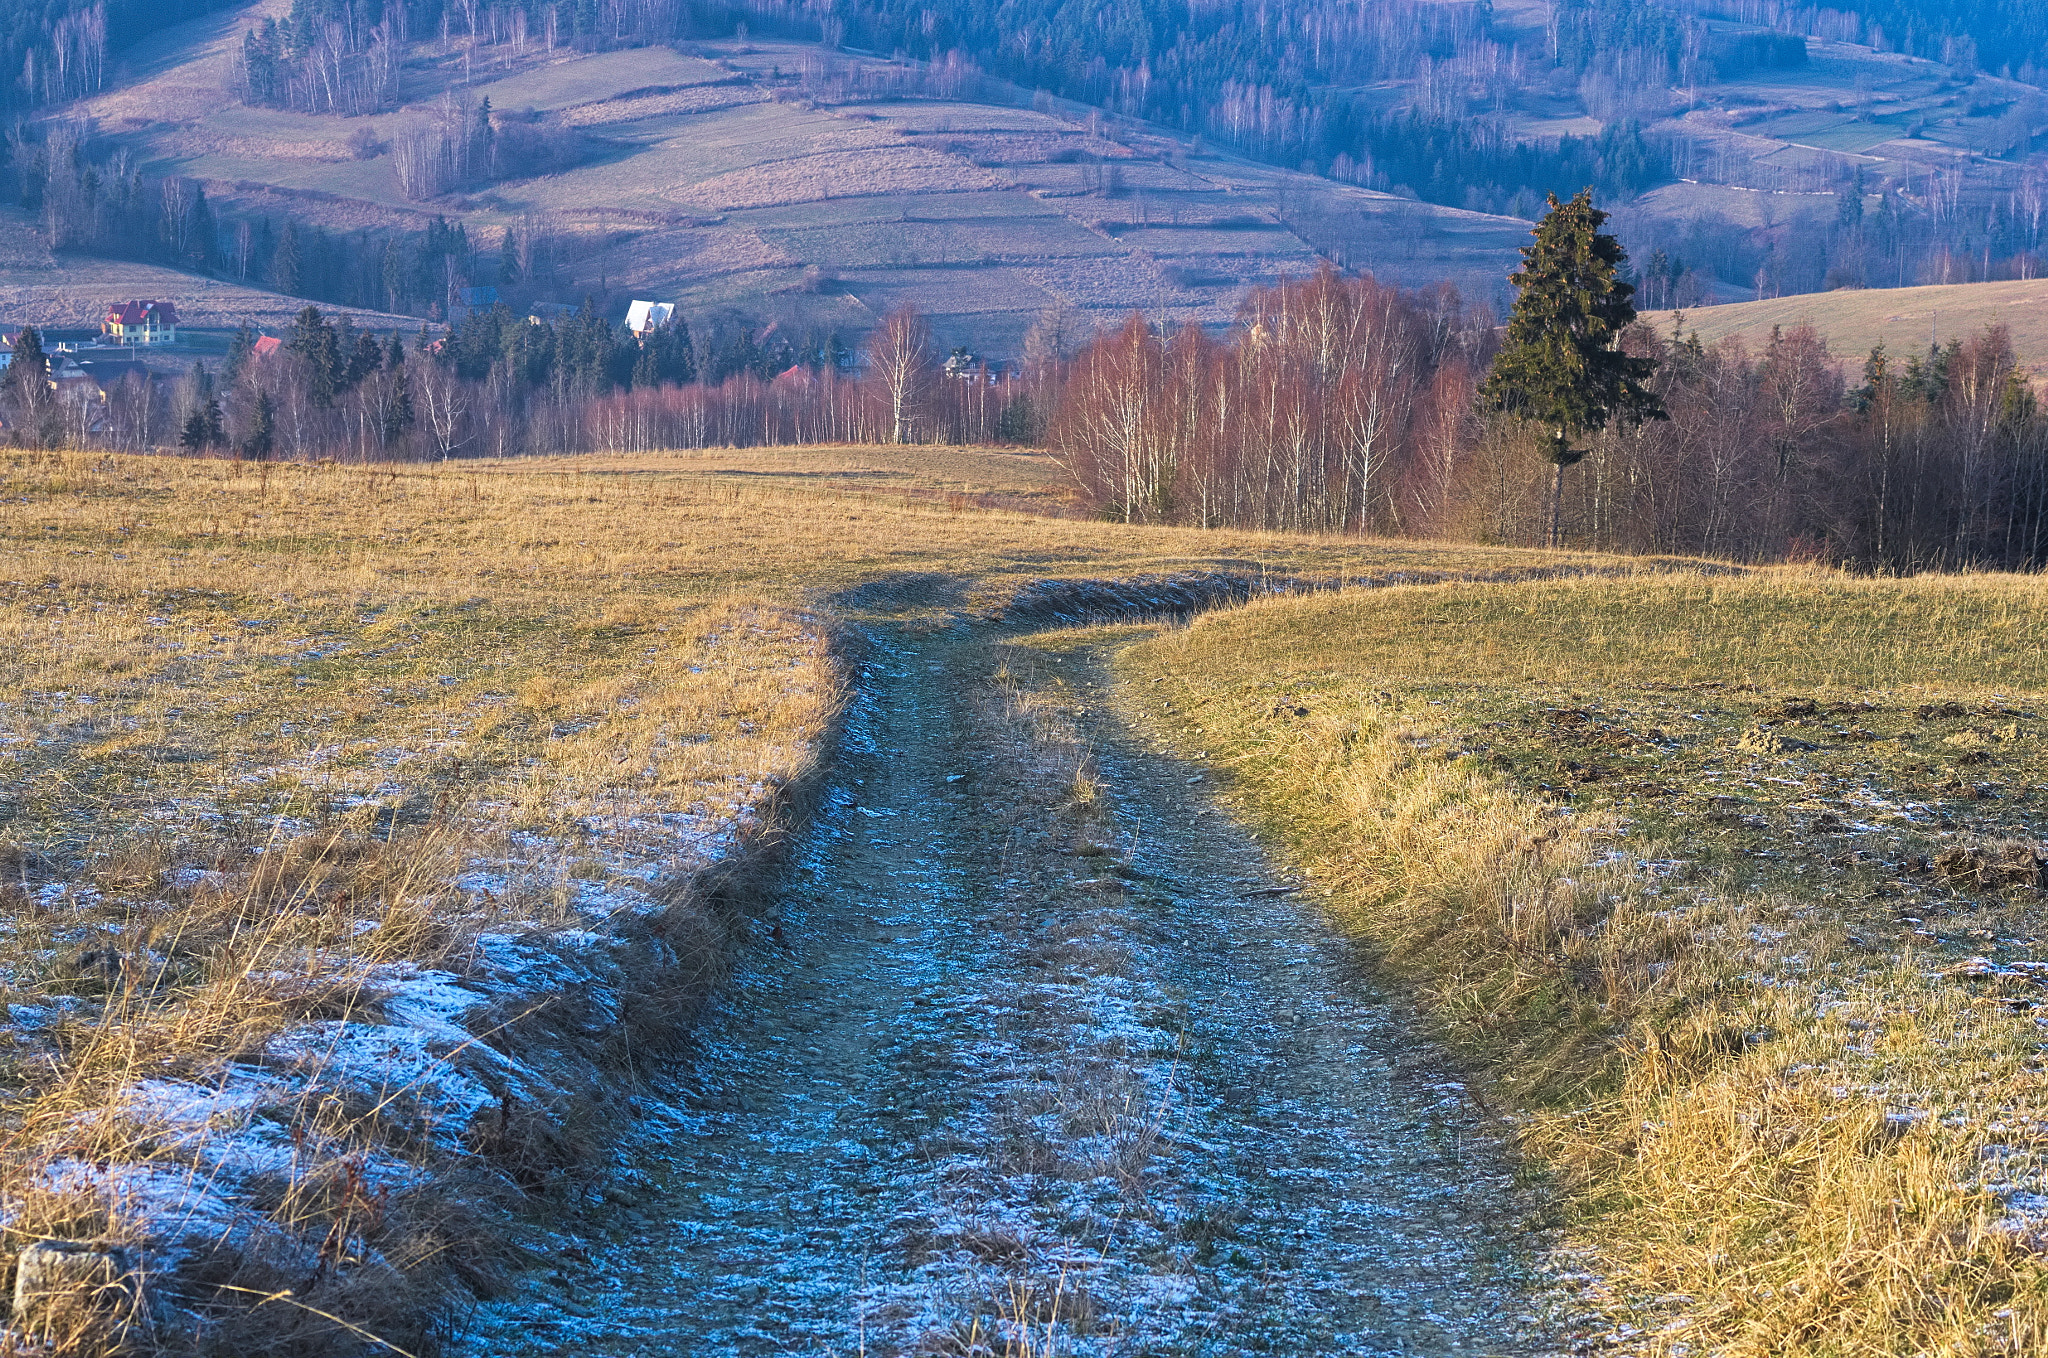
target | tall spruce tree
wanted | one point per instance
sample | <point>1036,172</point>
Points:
<point>262,436</point>
<point>205,425</point>
<point>398,414</point>
<point>313,339</point>
<point>241,345</point>
<point>25,388</point>
<point>286,267</point>
<point>1562,367</point>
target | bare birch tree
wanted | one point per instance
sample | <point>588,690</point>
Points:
<point>899,356</point>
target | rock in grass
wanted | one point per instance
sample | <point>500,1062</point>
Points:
<point>66,1289</point>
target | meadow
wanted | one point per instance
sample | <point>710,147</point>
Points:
<point>1904,320</point>
<point>1728,886</point>
<point>369,833</point>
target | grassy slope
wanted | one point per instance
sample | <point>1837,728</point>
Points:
<point>979,213</point>
<point>1763,994</point>
<point>273,736</point>
<point>1904,319</point>
<point>38,287</point>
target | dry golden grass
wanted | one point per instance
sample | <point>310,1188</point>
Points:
<point>1767,1011</point>
<point>1904,320</point>
<point>266,760</point>
<point>285,748</point>
<point>957,478</point>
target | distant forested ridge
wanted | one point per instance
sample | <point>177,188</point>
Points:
<point>2000,36</point>
<point>1289,83</point>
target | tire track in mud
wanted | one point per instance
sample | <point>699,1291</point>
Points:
<point>1033,1057</point>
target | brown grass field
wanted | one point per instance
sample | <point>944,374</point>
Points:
<point>1726,885</point>
<point>308,763</point>
<point>1904,320</point>
<point>1731,887</point>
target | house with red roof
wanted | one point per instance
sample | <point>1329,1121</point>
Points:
<point>141,322</point>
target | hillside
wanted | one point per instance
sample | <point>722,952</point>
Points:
<point>817,185</point>
<point>1904,320</point>
<point>71,291</point>
<point>775,181</point>
<point>1162,158</point>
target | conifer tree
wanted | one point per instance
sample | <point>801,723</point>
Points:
<point>28,367</point>
<point>262,429</point>
<point>286,268</point>
<point>241,345</point>
<point>315,341</point>
<point>26,386</point>
<point>364,357</point>
<point>1562,367</point>
<point>205,426</point>
<point>398,415</point>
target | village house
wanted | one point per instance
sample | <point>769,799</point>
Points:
<point>469,300</point>
<point>141,322</point>
<point>644,318</point>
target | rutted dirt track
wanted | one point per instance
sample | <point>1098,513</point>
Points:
<point>1035,1056</point>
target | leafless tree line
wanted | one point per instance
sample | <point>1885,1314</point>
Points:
<point>76,63</point>
<point>1318,414</point>
<point>277,406</point>
<point>1340,405</point>
<point>1335,405</point>
<point>343,64</point>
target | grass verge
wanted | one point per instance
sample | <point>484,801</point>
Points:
<point>1729,884</point>
<point>342,906</point>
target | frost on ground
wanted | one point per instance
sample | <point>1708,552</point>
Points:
<point>1755,948</point>
<point>306,1008</point>
<point>1038,1060</point>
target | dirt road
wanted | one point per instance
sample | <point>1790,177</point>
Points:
<point>1036,1054</point>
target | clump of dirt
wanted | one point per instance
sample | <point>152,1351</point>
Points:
<point>1763,740</point>
<point>1991,867</point>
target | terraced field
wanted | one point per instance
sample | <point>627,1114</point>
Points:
<point>785,184</point>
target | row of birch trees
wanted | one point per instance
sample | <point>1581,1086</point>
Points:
<point>1339,404</point>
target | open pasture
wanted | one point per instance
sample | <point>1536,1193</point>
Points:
<point>1904,320</point>
<point>871,245</point>
<point>338,798</point>
<point>570,79</point>
<point>1731,883</point>
<point>729,137</point>
<point>39,287</point>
